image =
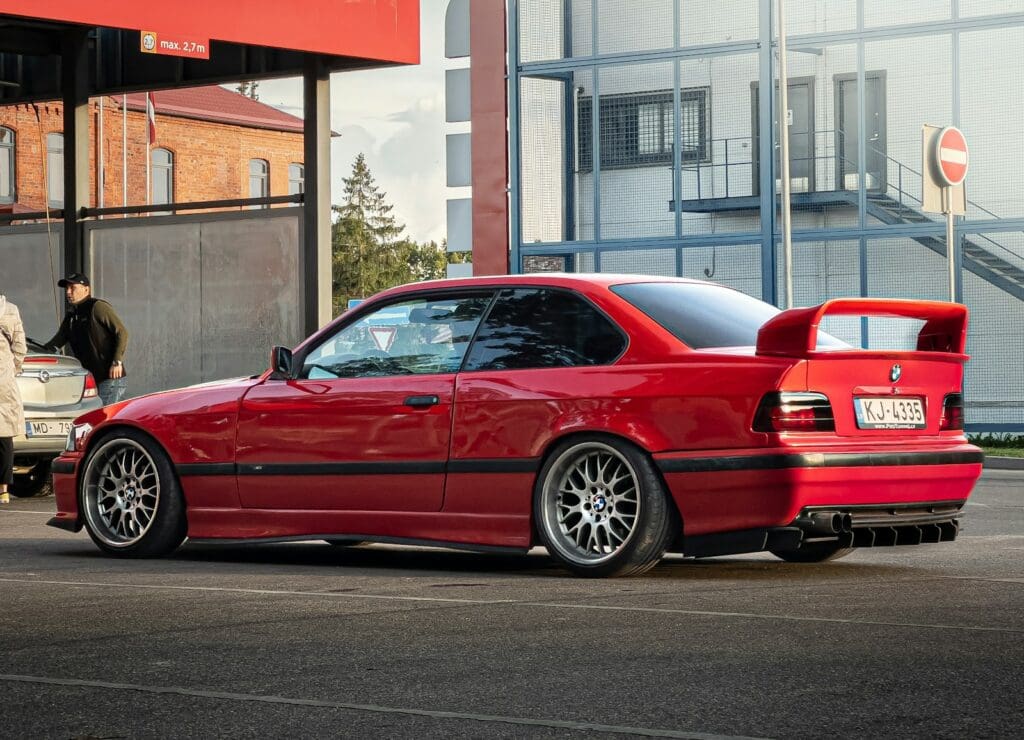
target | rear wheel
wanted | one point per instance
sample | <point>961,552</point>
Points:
<point>31,483</point>
<point>601,510</point>
<point>130,498</point>
<point>816,552</point>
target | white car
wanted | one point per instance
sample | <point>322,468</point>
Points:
<point>55,389</point>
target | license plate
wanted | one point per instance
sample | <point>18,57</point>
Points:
<point>889,412</point>
<point>47,428</point>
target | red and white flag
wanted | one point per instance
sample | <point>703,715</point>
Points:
<point>151,117</point>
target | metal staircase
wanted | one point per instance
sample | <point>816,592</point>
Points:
<point>890,202</point>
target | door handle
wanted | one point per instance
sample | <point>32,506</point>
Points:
<point>422,401</point>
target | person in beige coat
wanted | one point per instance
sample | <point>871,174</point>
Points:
<point>12,413</point>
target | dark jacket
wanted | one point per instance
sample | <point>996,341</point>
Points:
<point>96,336</point>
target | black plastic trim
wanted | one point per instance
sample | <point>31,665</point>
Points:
<point>62,466</point>
<point>64,524</point>
<point>186,469</point>
<point>368,538</point>
<point>346,468</point>
<point>815,460</point>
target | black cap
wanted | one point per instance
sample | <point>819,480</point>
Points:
<point>75,278</point>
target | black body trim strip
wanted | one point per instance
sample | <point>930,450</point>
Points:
<point>62,466</point>
<point>346,468</point>
<point>815,460</point>
<point>205,468</point>
<point>499,465</point>
<point>367,538</point>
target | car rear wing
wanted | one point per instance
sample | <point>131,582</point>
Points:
<point>794,333</point>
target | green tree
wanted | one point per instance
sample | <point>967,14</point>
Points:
<point>369,253</point>
<point>248,88</point>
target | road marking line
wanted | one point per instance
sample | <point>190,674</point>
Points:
<point>436,714</point>
<point>512,602</point>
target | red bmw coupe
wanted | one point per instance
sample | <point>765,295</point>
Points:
<point>608,418</point>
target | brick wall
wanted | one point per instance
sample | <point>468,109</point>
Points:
<point>211,160</point>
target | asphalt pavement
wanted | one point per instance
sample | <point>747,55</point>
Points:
<point>381,641</point>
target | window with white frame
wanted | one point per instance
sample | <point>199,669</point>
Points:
<point>55,170</point>
<point>259,178</point>
<point>296,178</point>
<point>163,176</point>
<point>8,188</point>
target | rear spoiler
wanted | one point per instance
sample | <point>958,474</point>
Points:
<point>794,333</point>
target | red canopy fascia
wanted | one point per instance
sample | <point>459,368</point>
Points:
<point>384,30</point>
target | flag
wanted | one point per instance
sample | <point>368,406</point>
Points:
<point>151,117</point>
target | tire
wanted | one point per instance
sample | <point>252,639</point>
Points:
<point>816,552</point>
<point>31,483</point>
<point>601,509</point>
<point>130,499</point>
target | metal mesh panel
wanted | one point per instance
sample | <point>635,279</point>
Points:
<point>820,16</point>
<point>890,275</point>
<point>889,13</point>
<point>725,167</point>
<point>915,93</point>
<point>717,21</point>
<point>823,270</point>
<point>634,25</point>
<point>201,300</point>
<point>542,159</point>
<point>994,381</point>
<point>635,131</point>
<point>28,281</point>
<point>640,261</point>
<point>991,86</point>
<point>990,7</point>
<point>738,266</point>
<point>540,30</point>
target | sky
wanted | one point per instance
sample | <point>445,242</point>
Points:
<point>395,117</point>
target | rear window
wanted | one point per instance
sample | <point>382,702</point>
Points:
<point>703,315</point>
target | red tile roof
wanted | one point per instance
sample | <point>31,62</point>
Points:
<point>215,103</point>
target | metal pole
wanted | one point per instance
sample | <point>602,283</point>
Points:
<point>787,236</point>
<point>101,174</point>
<point>124,150</point>
<point>947,202</point>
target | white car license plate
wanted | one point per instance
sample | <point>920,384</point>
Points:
<point>889,412</point>
<point>54,428</point>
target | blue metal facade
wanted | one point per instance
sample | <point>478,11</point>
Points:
<point>876,215</point>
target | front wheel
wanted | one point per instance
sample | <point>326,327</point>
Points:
<point>601,509</point>
<point>130,498</point>
<point>815,552</point>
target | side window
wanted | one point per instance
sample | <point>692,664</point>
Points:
<point>415,337</point>
<point>531,328</point>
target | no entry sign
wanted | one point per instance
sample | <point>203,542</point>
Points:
<point>951,158</point>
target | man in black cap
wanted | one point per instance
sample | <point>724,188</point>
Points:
<point>96,335</point>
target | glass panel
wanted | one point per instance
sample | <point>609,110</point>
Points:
<point>990,7</point>
<point>634,25</point>
<point>7,170</point>
<point>889,13</point>
<point>718,147</point>
<point>543,328</point>
<point>636,163</point>
<point>542,29</point>
<point>736,266</point>
<point>818,16</point>
<point>717,21</point>
<point>543,132</point>
<point>417,337</point>
<point>991,83</point>
<point>640,261</point>
<point>914,93</point>
<point>994,378</point>
<point>27,278</point>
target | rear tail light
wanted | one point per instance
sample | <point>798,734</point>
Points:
<point>952,412</point>
<point>794,412</point>
<point>41,361</point>
<point>91,391</point>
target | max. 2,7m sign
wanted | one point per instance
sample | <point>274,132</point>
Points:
<point>151,42</point>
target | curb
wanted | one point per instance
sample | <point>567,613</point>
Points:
<point>994,462</point>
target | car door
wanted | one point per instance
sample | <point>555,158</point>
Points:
<point>365,423</point>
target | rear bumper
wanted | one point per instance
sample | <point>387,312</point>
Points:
<point>769,489</point>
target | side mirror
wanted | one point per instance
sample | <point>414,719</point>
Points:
<point>281,363</point>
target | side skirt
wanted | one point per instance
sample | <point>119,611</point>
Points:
<point>370,538</point>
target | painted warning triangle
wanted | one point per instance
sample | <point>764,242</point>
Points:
<point>383,337</point>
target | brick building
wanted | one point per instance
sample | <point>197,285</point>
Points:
<point>210,144</point>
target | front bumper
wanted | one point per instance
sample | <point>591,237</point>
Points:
<point>65,492</point>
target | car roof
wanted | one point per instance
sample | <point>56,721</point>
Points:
<point>577,280</point>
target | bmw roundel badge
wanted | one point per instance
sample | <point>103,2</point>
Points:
<point>895,373</point>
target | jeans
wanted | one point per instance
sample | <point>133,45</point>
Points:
<point>112,390</point>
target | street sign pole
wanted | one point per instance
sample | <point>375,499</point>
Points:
<point>945,161</point>
<point>947,201</point>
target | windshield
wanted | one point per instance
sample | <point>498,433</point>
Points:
<point>702,315</point>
